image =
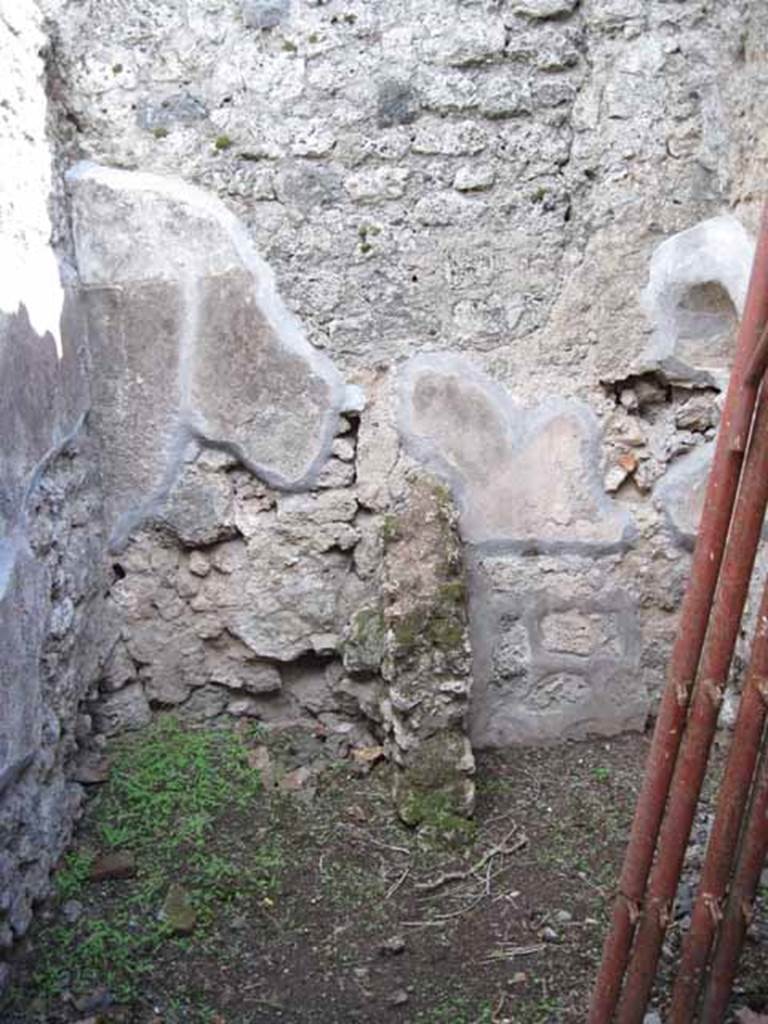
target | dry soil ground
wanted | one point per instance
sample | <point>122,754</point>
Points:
<point>302,900</point>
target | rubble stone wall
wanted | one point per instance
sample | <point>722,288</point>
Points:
<point>523,229</point>
<point>326,261</point>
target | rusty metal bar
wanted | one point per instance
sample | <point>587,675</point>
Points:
<point>684,659</point>
<point>754,849</point>
<point>742,421</point>
<point>758,364</point>
<point>730,597</point>
<point>733,797</point>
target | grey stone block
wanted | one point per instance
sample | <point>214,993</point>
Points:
<point>397,102</point>
<point>180,108</point>
<point>265,13</point>
<point>124,710</point>
<point>199,510</point>
<point>556,654</point>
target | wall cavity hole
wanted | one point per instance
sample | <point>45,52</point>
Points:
<point>706,326</point>
<point>118,571</point>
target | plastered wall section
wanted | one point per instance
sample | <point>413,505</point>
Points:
<point>50,515</point>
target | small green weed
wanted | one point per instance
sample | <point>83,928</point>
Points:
<point>457,1010</point>
<point>72,875</point>
<point>168,786</point>
<point>222,142</point>
<point>170,790</point>
<point>97,952</point>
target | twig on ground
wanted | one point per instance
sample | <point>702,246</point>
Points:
<point>461,876</point>
<point>375,842</point>
<point>496,1011</point>
<point>510,952</point>
<point>442,918</point>
<point>396,885</point>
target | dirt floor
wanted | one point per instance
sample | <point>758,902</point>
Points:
<point>259,893</point>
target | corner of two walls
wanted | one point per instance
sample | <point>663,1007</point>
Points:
<point>51,532</point>
<point>199,513</point>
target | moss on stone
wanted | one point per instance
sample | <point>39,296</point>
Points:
<point>363,648</point>
<point>435,809</point>
<point>390,529</point>
<point>454,592</point>
<point>446,633</point>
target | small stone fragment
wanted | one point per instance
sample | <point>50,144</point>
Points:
<point>367,757</point>
<point>614,478</point>
<point>199,564</point>
<point>177,912</point>
<point>324,643</point>
<point>392,946</point>
<point>628,399</point>
<point>91,769</point>
<point>343,448</point>
<point>119,864</point>
<point>398,998</point>
<point>474,178</point>
<point>72,911</point>
<point>563,917</point>
<point>698,414</point>
<point>549,934</point>
<point>99,999</point>
<point>628,461</point>
<point>296,780</point>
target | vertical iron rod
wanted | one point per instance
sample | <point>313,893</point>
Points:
<point>732,801</point>
<point>754,849</point>
<point>684,659</point>
<point>730,597</point>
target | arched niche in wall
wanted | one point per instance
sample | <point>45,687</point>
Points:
<point>695,295</point>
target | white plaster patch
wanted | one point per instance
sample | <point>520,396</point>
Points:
<point>229,366</point>
<point>524,478</point>
<point>716,253</point>
<point>30,274</point>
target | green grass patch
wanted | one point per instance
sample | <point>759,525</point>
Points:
<point>174,799</point>
<point>457,1010</point>
<point>72,875</point>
